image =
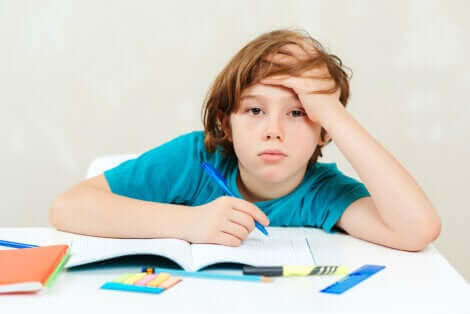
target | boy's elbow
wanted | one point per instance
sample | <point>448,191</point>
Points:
<point>433,230</point>
<point>429,233</point>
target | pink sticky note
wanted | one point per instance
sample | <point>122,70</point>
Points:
<point>143,281</point>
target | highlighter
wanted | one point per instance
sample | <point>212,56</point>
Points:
<point>286,271</point>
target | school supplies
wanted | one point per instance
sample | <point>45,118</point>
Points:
<point>31,269</point>
<point>206,275</point>
<point>143,282</point>
<point>286,271</point>
<point>16,245</point>
<point>352,279</point>
<point>256,250</point>
<point>217,177</point>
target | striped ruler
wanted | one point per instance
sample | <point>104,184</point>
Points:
<point>352,279</point>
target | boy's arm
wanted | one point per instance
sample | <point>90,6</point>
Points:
<point>91,208</point>
<point>398,213</point>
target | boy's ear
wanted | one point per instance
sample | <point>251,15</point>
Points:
<point>224,121</point>
<point>324,138</point>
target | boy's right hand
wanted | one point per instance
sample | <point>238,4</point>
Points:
<point>226,220</point>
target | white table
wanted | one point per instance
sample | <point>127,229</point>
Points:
<point>421,282</point>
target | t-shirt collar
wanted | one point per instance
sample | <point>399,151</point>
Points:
<point>232,182</point>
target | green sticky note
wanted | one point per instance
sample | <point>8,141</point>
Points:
<point>57,270</point>
<point>123,278</point>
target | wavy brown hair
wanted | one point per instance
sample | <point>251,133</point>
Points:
<point>248,67</point>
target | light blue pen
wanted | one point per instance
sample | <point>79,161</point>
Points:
<point>217,177</point>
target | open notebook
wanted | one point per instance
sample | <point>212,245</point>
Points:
<point>256,250</point>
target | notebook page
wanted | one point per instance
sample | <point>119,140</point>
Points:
<point>87,249</point>
<point>256,250</point>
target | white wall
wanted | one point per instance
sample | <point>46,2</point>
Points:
<point>80,79</point>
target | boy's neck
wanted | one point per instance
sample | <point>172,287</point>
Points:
<point>254,191</point>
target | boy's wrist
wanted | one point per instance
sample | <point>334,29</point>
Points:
<point>332,116</point>
<point>183,224</point>
<point>170,221</point>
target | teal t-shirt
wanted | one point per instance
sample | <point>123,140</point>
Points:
<point>172,173</point>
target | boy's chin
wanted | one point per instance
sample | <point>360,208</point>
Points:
<point>273,177</point>
<point>279,175</point>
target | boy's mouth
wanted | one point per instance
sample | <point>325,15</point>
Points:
<point>272,155</point>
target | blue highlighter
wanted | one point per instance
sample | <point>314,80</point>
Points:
<point>217,177</point>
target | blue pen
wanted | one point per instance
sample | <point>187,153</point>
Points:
<point>16,245</point>
<point>214,174</point>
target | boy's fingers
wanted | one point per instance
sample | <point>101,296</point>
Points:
<point>294,50</point>
<point>301,85</point>
<point>242,219</point>
<point>281,59</point>
<point>284,80</point>
<point>251,210</point>
<point>235,230</point>
<point>320,73</point>
<point>309,48</point>
<point>276,78</point>
<point>227,239</point>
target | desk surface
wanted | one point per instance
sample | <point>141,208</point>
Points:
<point>421,282</point>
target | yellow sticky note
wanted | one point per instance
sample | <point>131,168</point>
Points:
<point>162,277</point>
<point>135,277</point>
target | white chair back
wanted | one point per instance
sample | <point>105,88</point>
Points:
<point>103,163</point>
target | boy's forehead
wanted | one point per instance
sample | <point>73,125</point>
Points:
<point>268,91</point>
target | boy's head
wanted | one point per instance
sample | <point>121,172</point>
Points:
<point>226,102</point>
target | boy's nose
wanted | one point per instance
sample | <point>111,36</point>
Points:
<point>273,130</point>
<point>269,136</point>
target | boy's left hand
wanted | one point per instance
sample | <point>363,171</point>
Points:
<point>317,106</point>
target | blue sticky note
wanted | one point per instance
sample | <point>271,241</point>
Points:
<point>132,288</point>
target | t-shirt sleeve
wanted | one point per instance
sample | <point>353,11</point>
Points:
<point>333,193</point>
<point>167,174</point>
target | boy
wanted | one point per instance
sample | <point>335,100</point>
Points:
<point>266,117</point>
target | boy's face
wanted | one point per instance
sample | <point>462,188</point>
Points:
<point>272,136</point>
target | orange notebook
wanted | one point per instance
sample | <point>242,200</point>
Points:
<point>28,270</point>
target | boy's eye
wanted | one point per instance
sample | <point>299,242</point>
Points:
<point>297,113</point>
<point>254,111</point>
